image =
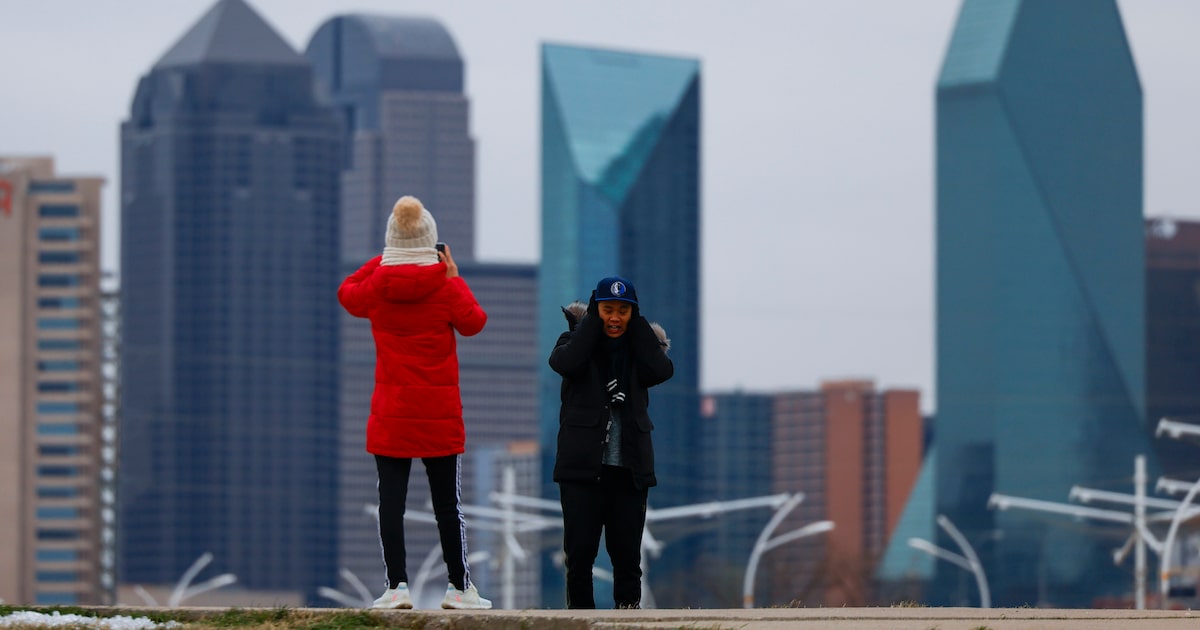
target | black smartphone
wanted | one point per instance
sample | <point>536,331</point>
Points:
<point>441,247</point>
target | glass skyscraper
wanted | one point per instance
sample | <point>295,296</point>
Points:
<point>229,189</point>
<point>621,195</point>
<point>1040,291</point>
<point>735,438</point>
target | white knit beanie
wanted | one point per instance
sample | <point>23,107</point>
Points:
<point>411,226</point>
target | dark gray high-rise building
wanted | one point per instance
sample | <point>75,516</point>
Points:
<point>498,372</point>
<point>1040,300</point>
<point>229,191</point>
<point>1173,336</point>
<point>1173,363</point>
<point>498,367</point>
<point>398,83</point>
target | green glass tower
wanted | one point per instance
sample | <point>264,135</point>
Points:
<point>621,195</point>
<point>1040,292</point>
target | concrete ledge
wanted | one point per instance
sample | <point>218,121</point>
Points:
<point>720,619</point>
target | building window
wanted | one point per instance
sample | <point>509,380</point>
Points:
<point>56,492</point>
<point>57,513</point>
<point>58,450</point>
<point>56,599</point>
<point>57,576</point>
<point>54,408</point>
<point>58,534</point>
<point>58,471</point>
<point>60,344</point>
<point>59,366</point>
<point>59,302</point>
<point>59,323</point>
<point>59,387</point>
<point>60,258</point>
<point>60,234</point>
<point>58,280</point>
<point>57,555</point>
<point>51,187</point>
<point>58,210</point>
<point>57,429</point>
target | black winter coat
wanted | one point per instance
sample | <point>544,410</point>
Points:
<point>579,358</point>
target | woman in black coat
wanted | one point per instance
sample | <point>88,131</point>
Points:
<point>604,464</point>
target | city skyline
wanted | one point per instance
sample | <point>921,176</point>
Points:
<point>798,113</point>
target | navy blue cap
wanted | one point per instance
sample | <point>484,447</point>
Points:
<point>616,288</point>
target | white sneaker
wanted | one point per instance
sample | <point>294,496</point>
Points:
<point>395,598</point>
<point>465,600</point>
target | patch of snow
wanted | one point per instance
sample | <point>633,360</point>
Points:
<point>55,619</point>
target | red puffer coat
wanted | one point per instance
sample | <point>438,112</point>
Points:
<point>416,410</point>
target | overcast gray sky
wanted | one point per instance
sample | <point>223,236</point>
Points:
<point>817,145</point>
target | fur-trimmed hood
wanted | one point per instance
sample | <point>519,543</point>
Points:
<point>575,311</point>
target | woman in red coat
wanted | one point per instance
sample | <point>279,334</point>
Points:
<point>416,301</point>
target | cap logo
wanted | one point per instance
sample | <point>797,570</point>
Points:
<point>617,289</point>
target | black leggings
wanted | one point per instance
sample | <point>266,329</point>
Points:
<point>444,485</point>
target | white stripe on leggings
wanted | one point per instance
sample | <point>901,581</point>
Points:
<point>462,521</point>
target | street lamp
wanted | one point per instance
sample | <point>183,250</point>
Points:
<point>968,560</point>
<point>1141,536</point>
<point>365,599</point>
<point>183,588</point>
<point>1164,581</point>
<point>765,543</point>
<point>1175,429</point>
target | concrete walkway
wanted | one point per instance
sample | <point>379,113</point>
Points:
<point>724,619</point>
<point>816,619</point>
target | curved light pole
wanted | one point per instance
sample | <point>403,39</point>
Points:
<point>1175,430</point>
<point>1165,575</point>
<point>968,560</point>
<point>765,543</point>
<point>365,599</point>
<point>183,588</point>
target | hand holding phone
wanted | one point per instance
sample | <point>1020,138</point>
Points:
<point>445,256</point>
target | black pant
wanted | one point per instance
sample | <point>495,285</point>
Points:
<point>618,507</point>
<point>444,481</point>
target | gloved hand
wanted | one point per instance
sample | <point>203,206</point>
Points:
<point>571,321</point>
<point>636,312</point>
<point>593,307</point>
<point>617,397</point>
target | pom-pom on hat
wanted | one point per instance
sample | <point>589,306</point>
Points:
<point>616,288</point>
<point>411,226</point>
